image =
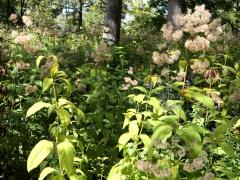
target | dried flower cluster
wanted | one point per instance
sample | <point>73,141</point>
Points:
<point>196,165</point>
<point>208,176</point>
<point>181,152</point>
<point>45,69</point>
<point>212,75</point>
<point>160,144</point>
<point>13,18</point>
<point>216,97</point>
<point>80,86</point>
<point>200,67</point>
<point>101,54</point>
<point>22,65</point>
<point>140,51</point>
<point>30,89</point>
<point>2,71</point>
<point>149,167</point>
<point>235,96</point>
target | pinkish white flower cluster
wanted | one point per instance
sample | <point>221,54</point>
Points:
<point>197,22</point>
<point>198,44</point>
<point>164,58</point>
<point>27,20</point>
<point>13,18</point>
<point>129,82</point>
<point>200,67</point>
<point>27,41</point>
<point>169,33</point>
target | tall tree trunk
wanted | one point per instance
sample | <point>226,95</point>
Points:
<point>175,8</point>
<point>112,21</point>
<point>80,14</point>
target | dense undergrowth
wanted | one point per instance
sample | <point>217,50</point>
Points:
<point>157,106</point>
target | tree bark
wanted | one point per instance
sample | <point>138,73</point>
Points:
<point>80,14</point>
<point>175,8</point>
<point>112,22</point>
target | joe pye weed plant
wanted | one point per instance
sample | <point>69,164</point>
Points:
<point>180,127</point>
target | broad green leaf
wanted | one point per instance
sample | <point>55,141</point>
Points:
<point>205,100</point>
<point>147,144</point>
<point>64,116</point>
<point>162,132</point>
<point>237,125</point>
<point>56,177</point>
<point>133,129</point>
<point>155,103</point>
<point>228,148</point>
<point>41,150</point>
<point>139,98</point>
<point>77,177</point>
<point>192,139</point>
<point>158,89</point>
<point>115,174</point>
<point>37,107</point>
<point>178,110</point>
<point>140,88</point>
<point>66,153</point>
<point>45,172</point>
<point>54,70</point>
<point>169,119</point>
<point>38,61</point>
<point>124,138</point>
<point>47,83</point>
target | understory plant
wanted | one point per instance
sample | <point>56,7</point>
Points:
<point>182,120</point>
<point>60,156</point>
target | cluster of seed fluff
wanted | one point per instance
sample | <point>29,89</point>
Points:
<point>30,89</point>
<point>164,58</point>
<point>151,168</point>
<point>22,65</point>
<point>199,25</point>
<point>199,67</point>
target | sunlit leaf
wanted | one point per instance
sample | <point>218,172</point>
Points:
<point>37,107</point>
<point>41,150</point>
<point>47,83</point>
<point>45,172</point>
<point>66,153</point>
